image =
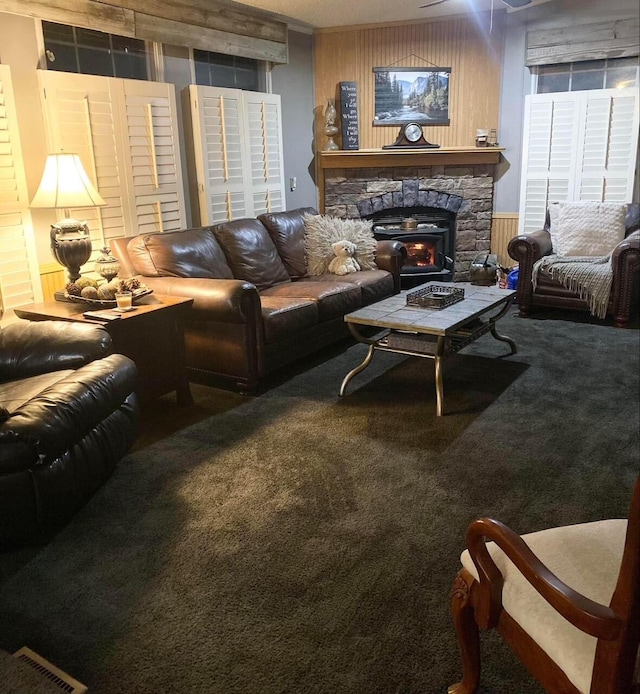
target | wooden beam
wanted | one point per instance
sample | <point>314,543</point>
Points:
<point>178,33</point>
<point>81,13</point>
<point>209,26</point>
<point>594,41</point>
<point>210,15</point>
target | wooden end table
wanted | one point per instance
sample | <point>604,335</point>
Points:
<point>152,335</point>
<point>430,333</point>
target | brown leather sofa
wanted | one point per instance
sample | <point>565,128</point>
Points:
<point>68,413</point>
<point>549,293</point>
<point>254,309</point>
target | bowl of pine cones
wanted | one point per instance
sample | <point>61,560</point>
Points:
<point>103,295</point>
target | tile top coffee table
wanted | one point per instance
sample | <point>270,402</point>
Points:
<point>152,335</point>
<point>430,332</point>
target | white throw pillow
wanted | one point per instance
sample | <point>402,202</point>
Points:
<point>590,229</point>
<point>321,231</point>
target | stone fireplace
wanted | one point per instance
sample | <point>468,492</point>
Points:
<point>460,192</point>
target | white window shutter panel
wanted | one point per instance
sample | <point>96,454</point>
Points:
<point>235,151</point>
<point>152,145</point>
<point>125,132</point>
<point>81,116</point>
<point>593,151</point>
<point>19,273</point>
<point>217,153</point>
<point>610,138</point>
<point>549,148</point>
<point>537,140</point>
<point>264,128</point>
<point>577,146</point>
<point>563,143</point>
<point>623,145</point>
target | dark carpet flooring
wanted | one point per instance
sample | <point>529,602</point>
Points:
<point>300,542</point>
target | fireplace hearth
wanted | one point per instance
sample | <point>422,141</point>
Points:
<point>459,186</point>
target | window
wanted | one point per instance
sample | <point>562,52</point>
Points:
<point>126,133</point>
<point>236,150</point>
<point>614,73</point>
<point>220,70</point>
<point>89,52</point>
<point>577,146</point>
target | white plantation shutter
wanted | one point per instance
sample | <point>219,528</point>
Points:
<point>606,170</point>
<point>19,275</point>
<point>154,172</point>
<point>623,147</point>
<point>218,153</point>
<point>81,117</point>
<point>236,152</point>
<point>549,152</point>
<point>577,146</point>
<point>263,118</point>
<point>125,132</point>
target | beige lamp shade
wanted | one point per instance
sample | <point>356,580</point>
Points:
<point>65,184</point>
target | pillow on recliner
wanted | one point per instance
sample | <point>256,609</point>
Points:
<point>590,229</point>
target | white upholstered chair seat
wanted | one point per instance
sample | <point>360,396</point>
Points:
<point>587,557</point>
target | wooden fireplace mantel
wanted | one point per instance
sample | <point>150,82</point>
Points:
<point>378,158</point>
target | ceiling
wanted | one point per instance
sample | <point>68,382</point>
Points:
<point>333,13</point>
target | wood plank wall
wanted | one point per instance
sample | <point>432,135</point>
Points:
<point>53,278</point>
<point>470,46</point>
<point>504,226</point>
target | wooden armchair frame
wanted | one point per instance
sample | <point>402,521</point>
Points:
<point>478,604</point>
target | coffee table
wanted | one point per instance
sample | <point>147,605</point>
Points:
<point>152,335</point>
<point>428,332</point>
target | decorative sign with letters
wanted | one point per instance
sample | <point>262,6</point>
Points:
<point>349,114</point>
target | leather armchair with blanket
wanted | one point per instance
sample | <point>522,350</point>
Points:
<point>549,292</point>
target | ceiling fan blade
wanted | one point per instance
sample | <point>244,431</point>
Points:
<point>432,3</point>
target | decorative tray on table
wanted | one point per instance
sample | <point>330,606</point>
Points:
<point>86,290</point>
<point>107,303</point>
<point>435,296</point>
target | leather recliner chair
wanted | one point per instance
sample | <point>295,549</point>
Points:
<point>526,249</point>
<point>68,414</point>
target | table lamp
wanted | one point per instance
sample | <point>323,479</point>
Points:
<point>64,185</point>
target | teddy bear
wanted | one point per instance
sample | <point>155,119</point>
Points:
<point>344,262</point>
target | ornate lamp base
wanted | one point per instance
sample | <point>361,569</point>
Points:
<point>71,245</point>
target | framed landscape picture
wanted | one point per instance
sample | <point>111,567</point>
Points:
<point>411,94</point>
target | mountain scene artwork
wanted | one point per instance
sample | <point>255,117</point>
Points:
<point>405,95</point>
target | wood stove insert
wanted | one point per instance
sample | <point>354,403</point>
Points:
<point>429,237</point>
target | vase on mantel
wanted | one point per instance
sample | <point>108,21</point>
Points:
<point>330,129</point>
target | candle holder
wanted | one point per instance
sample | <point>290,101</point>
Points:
<point>107,264</point>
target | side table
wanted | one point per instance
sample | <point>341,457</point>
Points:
<point>152,335</point>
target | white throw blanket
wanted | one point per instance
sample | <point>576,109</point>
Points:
<point>589,277</point>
